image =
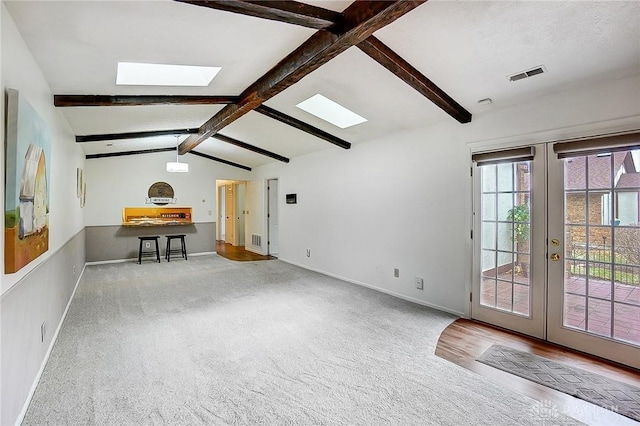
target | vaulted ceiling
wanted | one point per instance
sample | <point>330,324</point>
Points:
<point>467,49</point>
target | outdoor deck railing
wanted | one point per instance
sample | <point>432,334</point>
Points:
<point>602,265</point>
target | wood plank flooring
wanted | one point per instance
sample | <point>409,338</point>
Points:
<point>464,340</point>
<point>238,253</point>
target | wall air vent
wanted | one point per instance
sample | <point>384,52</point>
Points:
<point>528,73</point>
<point>256,240</point>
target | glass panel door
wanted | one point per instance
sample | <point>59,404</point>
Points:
<point>594,267</point>
<point>508,284</point>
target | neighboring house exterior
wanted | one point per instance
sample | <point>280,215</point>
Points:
<point>610,197</point>
<point>602,216</point>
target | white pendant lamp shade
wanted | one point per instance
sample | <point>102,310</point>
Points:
<point>177,166</point>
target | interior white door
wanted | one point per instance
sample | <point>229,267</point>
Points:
<point>272,217</point>
<point>509,276</point>
<point>594,254</point>
<point>240,214</point>
<point>229,214</point>
<point>222,201</point>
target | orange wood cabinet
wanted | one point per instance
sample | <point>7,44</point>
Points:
<point>156,216</point>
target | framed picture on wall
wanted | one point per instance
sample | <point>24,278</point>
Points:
<point>79,181</point>
<point>27,191</point>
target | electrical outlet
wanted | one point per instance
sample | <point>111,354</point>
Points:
<point>396,272</point>
<point>419,283</point>
<point>147,244</point>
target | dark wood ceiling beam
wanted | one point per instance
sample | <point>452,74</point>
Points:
<point>220,160</point>
<point>155,150</point>
<point>123,153</point>
<point>135,100</point>
<point>301,125</point>
<point>133,135</point>
<point>360,20</point>
<point>407,73</point>
<point>291,12</point>
<point>249,147</point>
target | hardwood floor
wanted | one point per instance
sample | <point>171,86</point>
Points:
<point>464,340</point>
<point>238,253</point>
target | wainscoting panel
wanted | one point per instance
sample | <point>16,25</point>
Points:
<point>31,314</point>
<point>106,243</point>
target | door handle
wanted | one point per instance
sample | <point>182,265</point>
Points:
<point>555,257</point>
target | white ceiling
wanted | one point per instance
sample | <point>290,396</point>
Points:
<point>468,48</point>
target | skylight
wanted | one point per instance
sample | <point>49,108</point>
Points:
<point>331,111</point>
<point>141,74</point>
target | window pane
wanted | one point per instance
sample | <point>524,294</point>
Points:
<point>489,207</point>
<point>489,235</point>
<point>505,262</point>
<point>489,178</point>
<point>575,207</point>
<point>522,269</point>
<point>600,243</point>
<point>599,170</point>
<point>489,263</point>
<point>575,281</point>
<point>575,173</point>
<point>488,292</point>
<point>599,280</point>
<point>505,204</point>
<point>505,295</point>
<point>575,311</point>
<point>523,176</point>
<point>627,205</point>
<point>521,299</point>
<point>599,317</point>
<point>626,324</point>
<point>505,177</point>
<point>505,236</point>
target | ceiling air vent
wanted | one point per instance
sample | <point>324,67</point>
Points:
<point>529,73</point>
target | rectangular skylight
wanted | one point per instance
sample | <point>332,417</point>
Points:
<point>330,111</point>
<point>141,74</point>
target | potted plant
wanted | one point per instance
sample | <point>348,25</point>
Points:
<point>520,216</point>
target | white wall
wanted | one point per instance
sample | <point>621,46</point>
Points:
<point>256,218</point>
<point>20,71</point>
<point>39,292</point>
<point>117,182</point>
<point>404,200</point>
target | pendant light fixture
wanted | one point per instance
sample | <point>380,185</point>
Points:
<point>177,166</point>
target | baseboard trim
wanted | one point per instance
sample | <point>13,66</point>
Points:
<point>135,259</point>
<point>36,380</point>
<point>254,250</point>
<point>381,290</point>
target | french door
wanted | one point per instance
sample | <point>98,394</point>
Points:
<point>557,244</point>
<point>509,240</point>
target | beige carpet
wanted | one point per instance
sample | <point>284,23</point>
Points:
<point>211,341</point>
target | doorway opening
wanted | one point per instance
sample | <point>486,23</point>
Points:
<point>231,212</point>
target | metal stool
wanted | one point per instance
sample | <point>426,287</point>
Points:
<point>182,250</point>
<point>155,252</point>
